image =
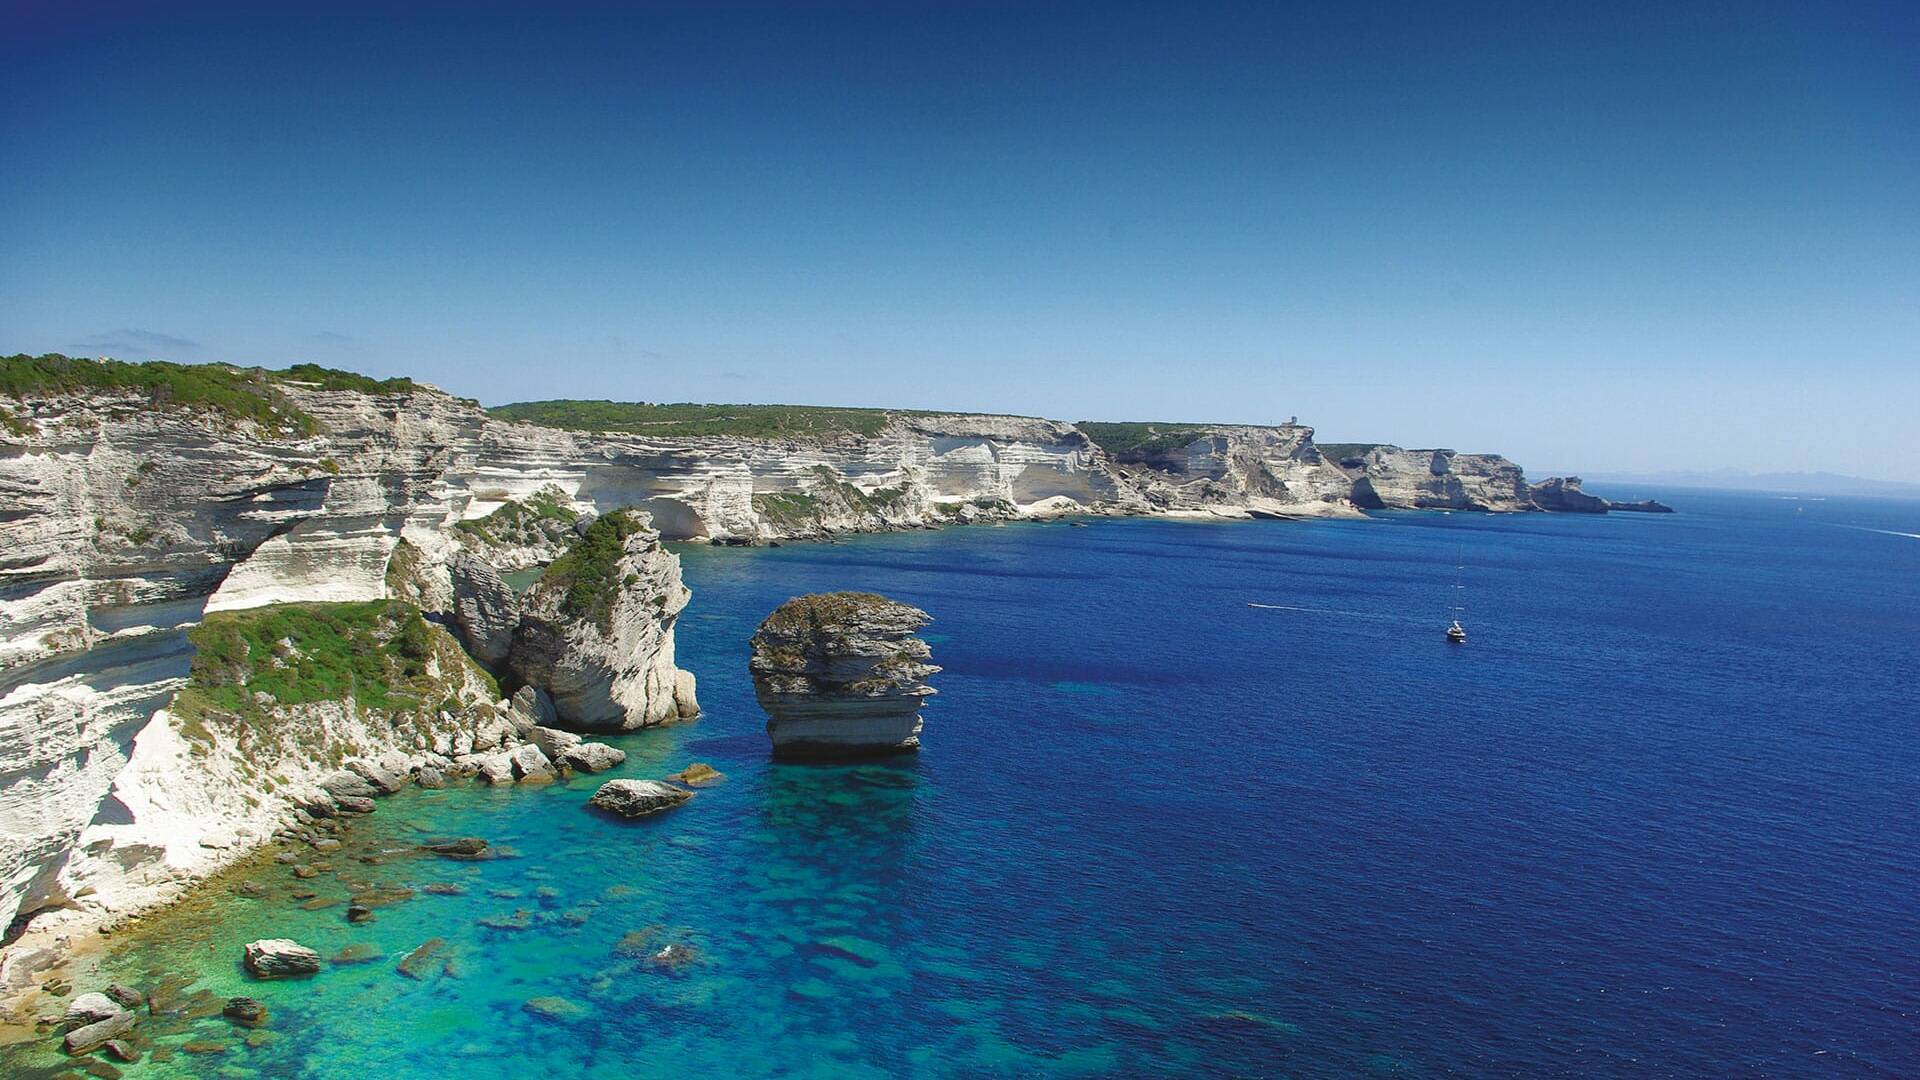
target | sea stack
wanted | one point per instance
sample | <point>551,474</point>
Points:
<point>841,675</point>
<point>596,631</point>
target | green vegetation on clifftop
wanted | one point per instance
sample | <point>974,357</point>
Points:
<point>525,521</point>
<point>235,393</point>
<point>687,420</point>
<point>1141,439</point>
<point>588,574</point>
<point>324,378</point>
<point>379,653</point>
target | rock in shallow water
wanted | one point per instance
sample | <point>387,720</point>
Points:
<point>90,1008</point>
<point>467,847</point>
<point>419,963</point>
<point>530,766</point>
<point>698,774</point>
<point>246,1011</point>
<point>841,675</point>
<point>592,757</point>
<point>638,798</point>
<point>85,1040</point>
<point>279,958</point>
<point>557,1008</point>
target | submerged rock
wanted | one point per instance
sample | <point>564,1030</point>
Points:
<point>638,798</point>
<point>419,963</point>
<point>842,675</point>
<point>246,1011</point>
<point>467,847</point>
<point>279,958</point>
<point>698,774</point>
<point>357,953</point>
<point>554,1007</point>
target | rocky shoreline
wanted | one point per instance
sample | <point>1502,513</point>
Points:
<point>225,618</point>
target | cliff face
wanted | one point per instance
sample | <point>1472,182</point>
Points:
<point>1562,494</point>
<point>1390,477</point>
<point>596,632</point>
<point>1257,471</point>
<point>915,471</point>
<point>127,515</point>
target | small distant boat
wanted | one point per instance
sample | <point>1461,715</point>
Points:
<point>1457,634</point>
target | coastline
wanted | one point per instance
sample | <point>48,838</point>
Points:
<point>85,927</point>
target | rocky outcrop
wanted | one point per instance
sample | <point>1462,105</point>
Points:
<point>248,745</point>
<point>637,798</point>
<point>596,632</point>
<point>485,610</point>
<point>131,513</point>
<point>279,958</point>
<point>842,675</point>
<point>1387,477</point>
<point>1563,495</point>
<point>1230,470</point>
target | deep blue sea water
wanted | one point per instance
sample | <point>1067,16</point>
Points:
<point>1660,817</point>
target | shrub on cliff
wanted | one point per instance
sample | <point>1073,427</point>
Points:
<point>687,420</point>
<point>1141,440</point>
<point>379,653</point>
<point>588,575</point>
<point>219,389</point>
<point>539,518</point>
<point>325,378</point>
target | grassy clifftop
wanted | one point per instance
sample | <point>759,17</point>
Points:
<point>687,420</point>
<point>380,653</point>
<point>588,575</point>
<point>1142,439</point>
<point>235,393</point>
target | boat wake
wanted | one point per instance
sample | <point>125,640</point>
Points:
<point>1329,611</point>
<point>1883,532</point>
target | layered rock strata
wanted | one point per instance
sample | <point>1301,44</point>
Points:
<point>842,675</point>
<point>1230,470</point>
<point>1388,477</point>
<point>596,632</point>
<point>127,515</point>
<point>1563,495</point>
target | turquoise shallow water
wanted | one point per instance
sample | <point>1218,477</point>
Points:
<point>1656,820</point>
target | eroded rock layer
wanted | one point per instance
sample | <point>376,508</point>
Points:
<point>596,632</point>
<point>842,675</point>
<point>129,512</point>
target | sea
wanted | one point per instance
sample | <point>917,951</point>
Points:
<point>1195,800</point>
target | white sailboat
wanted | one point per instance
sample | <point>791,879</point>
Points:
<point>1456,633</point>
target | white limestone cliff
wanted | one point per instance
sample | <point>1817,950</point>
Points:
<point>125,518</point>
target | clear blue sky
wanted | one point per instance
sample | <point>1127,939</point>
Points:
<point>1592,236</point>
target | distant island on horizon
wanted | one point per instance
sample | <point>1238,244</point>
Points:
<point>1783,483</point>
